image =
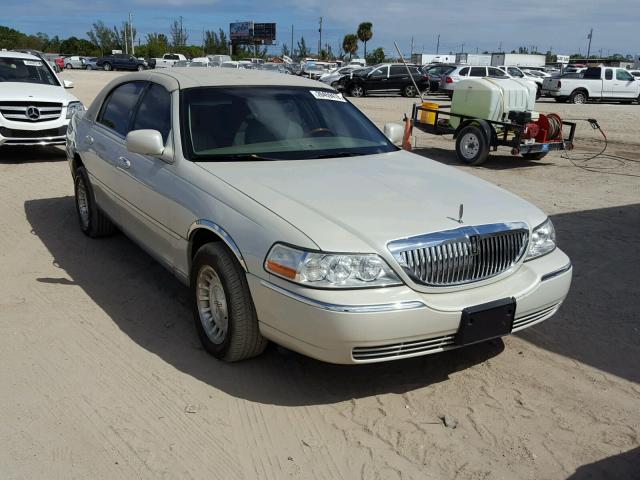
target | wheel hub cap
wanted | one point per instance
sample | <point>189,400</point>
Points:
<point>470,145</point>
<point>212,305</point>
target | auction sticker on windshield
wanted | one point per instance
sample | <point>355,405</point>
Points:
<point>32,63</point>
<point>336,97</point>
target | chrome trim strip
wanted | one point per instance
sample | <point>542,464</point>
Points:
<point>332,307</point>
<point>555,273</point>
<point>221,232</point>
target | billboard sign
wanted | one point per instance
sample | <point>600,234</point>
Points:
<point>562,58</point>
<point>241,31</point>
<point>264,33</point>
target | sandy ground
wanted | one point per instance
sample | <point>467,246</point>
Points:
<point>103,376</point>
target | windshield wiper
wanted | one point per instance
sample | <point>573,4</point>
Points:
<point>337,155</point>
<point>243,156</point>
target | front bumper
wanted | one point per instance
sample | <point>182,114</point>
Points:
<point>43,137</point>
<point>373,325</point>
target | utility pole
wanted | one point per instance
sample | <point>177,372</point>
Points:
<point>500,47</point>
<point>462,48</point>
<point>203,41</point>
<point>320,39</point>
<point>411,54</point>
<point>438,45</point>
<point>126,43</point>
<point>590,36</point>
<point>133,46</point>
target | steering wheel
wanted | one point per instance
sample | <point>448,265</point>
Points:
<point>320,132</point>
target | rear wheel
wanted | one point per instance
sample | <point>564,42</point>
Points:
<point>107,67</point>
<point>534,155</point>
<point>93,222</point>
<point>68,66</point>
<point>409,91</point>
<point>357,91</point>
<point>579,97</point>
<point>223,309</point>
<point>472,146</point>
<point>140,68</point>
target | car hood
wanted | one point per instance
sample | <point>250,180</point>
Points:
<point>20,91</point>
<point>359,204</point>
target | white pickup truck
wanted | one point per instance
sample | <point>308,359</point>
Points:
<point>168,59</point>
<point>596,83</point>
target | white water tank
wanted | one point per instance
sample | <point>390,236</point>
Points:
<point>492,98</point>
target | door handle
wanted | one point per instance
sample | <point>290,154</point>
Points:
<point>124,163</point>
<point>88,140</point>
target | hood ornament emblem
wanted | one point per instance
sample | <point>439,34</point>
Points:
<point>460,214</point>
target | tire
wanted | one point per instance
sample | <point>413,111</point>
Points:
<point>538,93</point>
<point>93,222</point>
<point>335,84</point>
<point>409,91</point>
<point>534,156</point>
<point>472,146</point>
<point>68,66</point>
<point>107,67</point>
<point>578,97</point>
<point>357,91</point>
<point>217,281</point>
<point>140,68</point>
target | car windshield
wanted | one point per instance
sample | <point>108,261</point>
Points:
<point>26,71</point>
<point>274,123</point>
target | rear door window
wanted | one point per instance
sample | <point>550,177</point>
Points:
<point>464,72</point>
<point>608,74</point>
<point>117,109</point>
<point>154,112</point>
<point>496,72</point>
<point>398,70</point>
<point>478,72</point>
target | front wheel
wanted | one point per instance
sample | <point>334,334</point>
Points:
<point>357,91</point>
<point>140,68</point>
<point>472,145</point>
<point>409,91</point>
<point>224,314</point>
<point>107,67</point>
<point>534,155</point>
<point>93,222</point>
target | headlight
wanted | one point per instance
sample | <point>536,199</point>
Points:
<point>73,108</point>
<point>329,270</point>
<point>543,240</point>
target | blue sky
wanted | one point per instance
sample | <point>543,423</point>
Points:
<point>561,25</point>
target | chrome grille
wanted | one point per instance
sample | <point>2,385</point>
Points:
<point>17,111</point>
<point>403,349</point>
<point>463,255</point>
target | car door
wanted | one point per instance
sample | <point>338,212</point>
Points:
<point>145,183</point>
<point>478,72</point>
<point>378,79</point>
<point>624,85</point>
<point>398,77</point>
<point>104,145</point>
<point>607,83</point>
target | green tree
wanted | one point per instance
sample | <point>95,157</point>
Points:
<point>178,34</point>
<point>303,50</point>
<point>102,36</point>
<point>157,45</point>
<point>364,34</point>
<point>350,44</point>
<point>285,50</point>
<point>375,57</point>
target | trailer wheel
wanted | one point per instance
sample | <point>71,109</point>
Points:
<point>534,155</point>
<point>472,145</point>
<point>578,96</point>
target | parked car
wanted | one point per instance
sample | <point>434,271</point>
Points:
<point>199,62</point>
<point>168,60</point>
<point>386,78</point>
<point>334,76</point>
<point>548,82</point>
<point>448,81</point>
<point>635,73</point>
<point>181,63</point>
<point>597,83</point>
<point>313,70</point>
<point>193,171</point>
<point>35,106</point>
<point>216,60</point>
<point>435,72</point>
<point>59,62</point>
<point>515,72</point>
<point>90,63</point>
<point>273,67</point>
<point>231,64</point>
<point>121,61</point>
<point>73,61</point>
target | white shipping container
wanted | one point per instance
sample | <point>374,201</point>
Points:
<point>425,58</point>
<point>473,59</point>
<point>517,60</point>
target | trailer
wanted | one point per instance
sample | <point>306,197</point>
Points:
<point>518,60</point>
<point>475,137</point>
<point>479,60</point>
<point>426,59</point>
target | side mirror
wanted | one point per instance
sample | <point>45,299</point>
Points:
<point>394,132</point>
<point>67,83</point>
<point>145,142</point>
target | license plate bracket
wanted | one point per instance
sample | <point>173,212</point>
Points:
<point>484,322</point>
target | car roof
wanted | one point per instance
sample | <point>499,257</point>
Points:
<point>12,54</point>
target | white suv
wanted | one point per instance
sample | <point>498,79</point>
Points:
<point>35,106</point>
<point>462,72</point>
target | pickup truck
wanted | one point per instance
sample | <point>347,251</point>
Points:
<point>168,59</point>
<point>596,83</point>
<point>121,61</point>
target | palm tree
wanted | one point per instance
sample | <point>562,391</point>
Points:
<point>365,34</point>
<point>350,44</point>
